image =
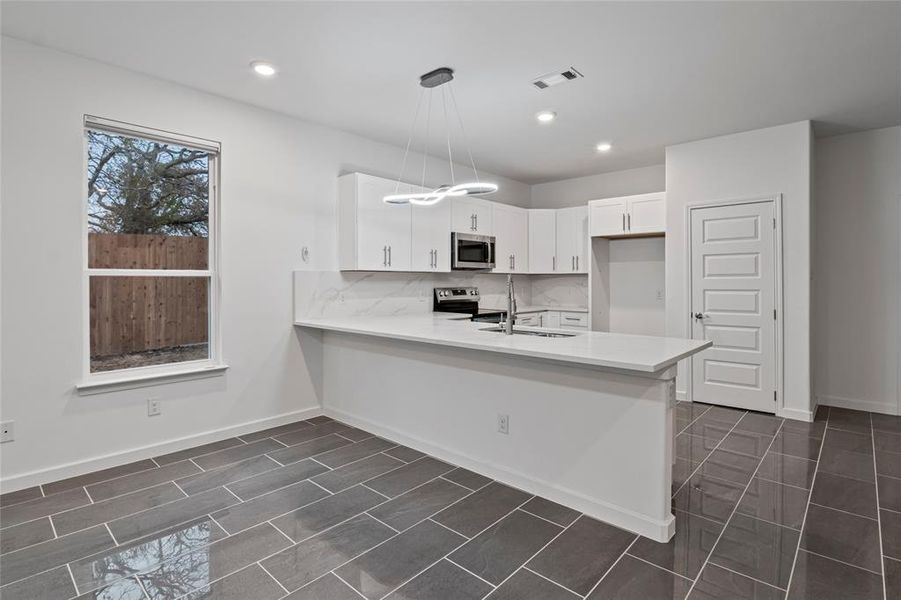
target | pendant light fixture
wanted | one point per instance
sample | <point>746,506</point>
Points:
<point>430,82</point>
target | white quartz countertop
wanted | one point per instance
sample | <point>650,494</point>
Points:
<point>645,354</point>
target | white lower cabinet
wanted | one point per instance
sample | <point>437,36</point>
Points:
<point>563,319</point>
<point>529,320</point>
<point>574,320</point>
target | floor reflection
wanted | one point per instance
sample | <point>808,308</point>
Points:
<point>177,547</point>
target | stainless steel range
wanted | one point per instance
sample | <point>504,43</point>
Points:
<point>465,300</point>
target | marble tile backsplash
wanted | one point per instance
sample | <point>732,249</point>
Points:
<point>336,293</point>
<point>559,290</point>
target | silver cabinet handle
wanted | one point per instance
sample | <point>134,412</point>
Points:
<point>573,263</point>
<point>435,258</point>
<point>553,263</point>
<point>385,256</point>
<point>389,256</point>
<point>577,263</point>
<point>472,222</point>
<point>624,221</point>
<point>514,262</point>
<point>629,221</point>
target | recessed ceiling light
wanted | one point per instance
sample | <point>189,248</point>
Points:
<point>546,116</point>
<point>262,68</point>
<point>604,147</point>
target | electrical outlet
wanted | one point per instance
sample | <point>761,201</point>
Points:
<point>660,294</point>
<point>7,431</point>
<point>153,407</point>
<point>503,424</point>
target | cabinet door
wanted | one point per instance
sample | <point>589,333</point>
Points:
<point>572,240</point>
<point>542,240</point>
<point>431,237</point>
<point>579,221</point>
<point>647,214</point>
<point>471,215</point>
<point>551,319</point>
<point>511,228</point>
<point>608,217</point>
<point>383,230</point>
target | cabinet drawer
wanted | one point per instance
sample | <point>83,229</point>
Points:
<point>530,320</point>
<point>568,319</point>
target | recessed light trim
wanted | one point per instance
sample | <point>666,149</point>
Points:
<point>546,116</point>
<point>604,147</point>
<point>263,68</point>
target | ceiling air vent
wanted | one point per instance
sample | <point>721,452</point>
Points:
<point>557,77</point>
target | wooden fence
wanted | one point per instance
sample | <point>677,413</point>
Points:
<point>132,314</point>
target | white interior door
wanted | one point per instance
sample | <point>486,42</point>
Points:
<point>733,304</point>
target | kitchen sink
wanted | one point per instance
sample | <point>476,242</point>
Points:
<point>535,332</point>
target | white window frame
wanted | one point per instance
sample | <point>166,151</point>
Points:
<point>154,374</point>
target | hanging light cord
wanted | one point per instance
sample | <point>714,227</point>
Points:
<point>425,151</point>
<point>463,130</point>
<point>450,154</point>
<point>403,164</point>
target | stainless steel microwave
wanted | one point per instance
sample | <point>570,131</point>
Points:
<point>470,251</point>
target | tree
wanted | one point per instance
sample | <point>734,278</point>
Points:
<point>147,187</point>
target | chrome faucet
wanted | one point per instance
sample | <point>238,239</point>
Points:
<point>511,306</point>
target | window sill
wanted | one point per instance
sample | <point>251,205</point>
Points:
<point>131,381</point>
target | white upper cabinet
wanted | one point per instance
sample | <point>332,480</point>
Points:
<point>542,240</point>
<point>431,237</point>
<point>511,228</point>
<point>572,240</point>
<point>608,217</point>
<point>647,214</point>
<point>471,215</point>
<point>372,235</point>
<point>644,214</point>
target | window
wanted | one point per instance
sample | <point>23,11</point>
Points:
<point>151,257</point>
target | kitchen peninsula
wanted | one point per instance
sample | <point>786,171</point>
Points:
<point>588,417</point>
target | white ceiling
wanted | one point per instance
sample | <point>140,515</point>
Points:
<point>655,73</point>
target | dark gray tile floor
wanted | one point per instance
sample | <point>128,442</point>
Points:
<point>765,509</point>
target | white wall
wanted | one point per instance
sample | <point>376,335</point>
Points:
<point>637,286</point>
<point>278,194</point>
<point>578,191</point>
<point>765,162</point>
<point>857,320</point>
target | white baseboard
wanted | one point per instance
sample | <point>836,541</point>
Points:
<point>858,404</point>
<point>796,414</point>
<point>681,395</point>
<point>43,476</point>
<point>658,530</point>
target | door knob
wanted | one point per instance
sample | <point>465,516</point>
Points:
<point>699,316</point>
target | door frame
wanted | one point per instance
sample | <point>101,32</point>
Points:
<point>776,200</point>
